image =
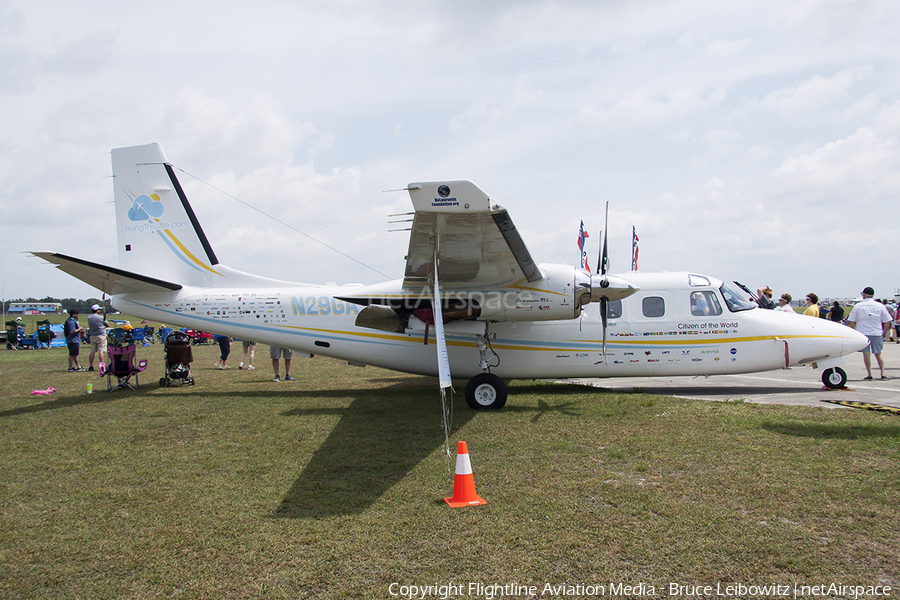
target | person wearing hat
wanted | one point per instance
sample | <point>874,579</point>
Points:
<point>73,339</point>
<point>784,304</point>
<point>764,296</point>
<point>871,319</point>
<point>97,331</point>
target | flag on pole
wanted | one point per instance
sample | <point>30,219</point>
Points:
<point>634,249</point>
<point>582,235</point>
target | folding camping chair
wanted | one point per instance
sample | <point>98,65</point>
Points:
<point>121,366</point>
<point>43,333</point>
<point>14,333</point>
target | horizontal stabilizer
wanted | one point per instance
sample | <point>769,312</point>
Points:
<point>109,280</point>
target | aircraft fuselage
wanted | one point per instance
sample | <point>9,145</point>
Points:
<point>652,333</point>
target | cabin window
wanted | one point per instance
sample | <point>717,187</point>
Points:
<point>705,304</point>
<point>614,309</point>
<point>698,280</point>
<point>653,307</point>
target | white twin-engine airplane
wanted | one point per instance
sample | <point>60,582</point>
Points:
<point>500,315</point>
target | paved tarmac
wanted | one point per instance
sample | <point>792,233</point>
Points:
<point>797,385</point>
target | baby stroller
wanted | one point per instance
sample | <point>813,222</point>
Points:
<point>178,360</point>
<point>121,366</point>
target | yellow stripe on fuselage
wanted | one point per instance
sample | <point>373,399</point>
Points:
<point>562,348</point>
<point>537,290</point>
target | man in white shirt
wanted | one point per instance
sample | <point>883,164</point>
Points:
<point>870,318</point>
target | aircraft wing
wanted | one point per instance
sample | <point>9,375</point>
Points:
<point>478,245</point>
<point>110,280</point>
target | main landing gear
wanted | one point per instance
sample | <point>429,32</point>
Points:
<point>834,378</point>
<point>486,390</point>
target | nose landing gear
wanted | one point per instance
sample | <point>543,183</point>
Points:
<point>834,378</point>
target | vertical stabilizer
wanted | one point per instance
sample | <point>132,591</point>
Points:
<point>158,233</point>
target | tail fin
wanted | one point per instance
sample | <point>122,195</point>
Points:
<point>158,233</point>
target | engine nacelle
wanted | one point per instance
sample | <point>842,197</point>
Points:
<point>557,295</point>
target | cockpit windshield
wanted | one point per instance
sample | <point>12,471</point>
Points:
<point>735,298</point>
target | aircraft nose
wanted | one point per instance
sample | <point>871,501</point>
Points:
<point>854,341</point>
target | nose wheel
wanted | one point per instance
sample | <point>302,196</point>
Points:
<point>486,391</point>
<point>834,378</point>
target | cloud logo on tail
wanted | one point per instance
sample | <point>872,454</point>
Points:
<point>144,207</point>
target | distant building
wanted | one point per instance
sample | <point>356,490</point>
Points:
<point>34,308</point>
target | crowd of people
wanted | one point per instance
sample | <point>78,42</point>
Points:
<point>96,333</point>
<point>97,336</point>
<point>275,353</point>
<point>878,320</point>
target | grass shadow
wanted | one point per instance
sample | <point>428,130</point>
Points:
<point>822,431</point>
<point>380,437</point>
<point>543,409</point>
<point>732,391</point>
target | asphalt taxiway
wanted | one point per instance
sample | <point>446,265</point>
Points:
<point>797,385</point>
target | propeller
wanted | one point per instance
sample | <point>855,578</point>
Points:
<point>605,287</point>
<point>602,264</point>
<point>601,286</point>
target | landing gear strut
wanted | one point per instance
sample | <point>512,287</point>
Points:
<point>486,391</point>
<point>834,378</point>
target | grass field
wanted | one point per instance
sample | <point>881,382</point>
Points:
<point>333,487</point>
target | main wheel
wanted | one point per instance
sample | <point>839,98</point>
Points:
<point>834,378</point>
<point>485,391</point>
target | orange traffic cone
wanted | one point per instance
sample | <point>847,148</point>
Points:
<point>463,483</point>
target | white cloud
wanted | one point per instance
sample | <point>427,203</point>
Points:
<point>735,137</point>
<point>813,94</point>
<point>863,166</point>
<point>485,113</point>
<point>714,49</point>
<point>88,54</point>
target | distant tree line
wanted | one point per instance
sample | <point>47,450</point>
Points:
<point>83,306</point>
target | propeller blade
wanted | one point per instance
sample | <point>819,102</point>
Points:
<point>604,256</point>
<point>604,304</point>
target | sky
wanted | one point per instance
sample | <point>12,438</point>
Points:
<point>755,142</point>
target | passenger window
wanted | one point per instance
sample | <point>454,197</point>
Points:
<point>653,307</point>
<point>705,304</point>
<point>614,309</point>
